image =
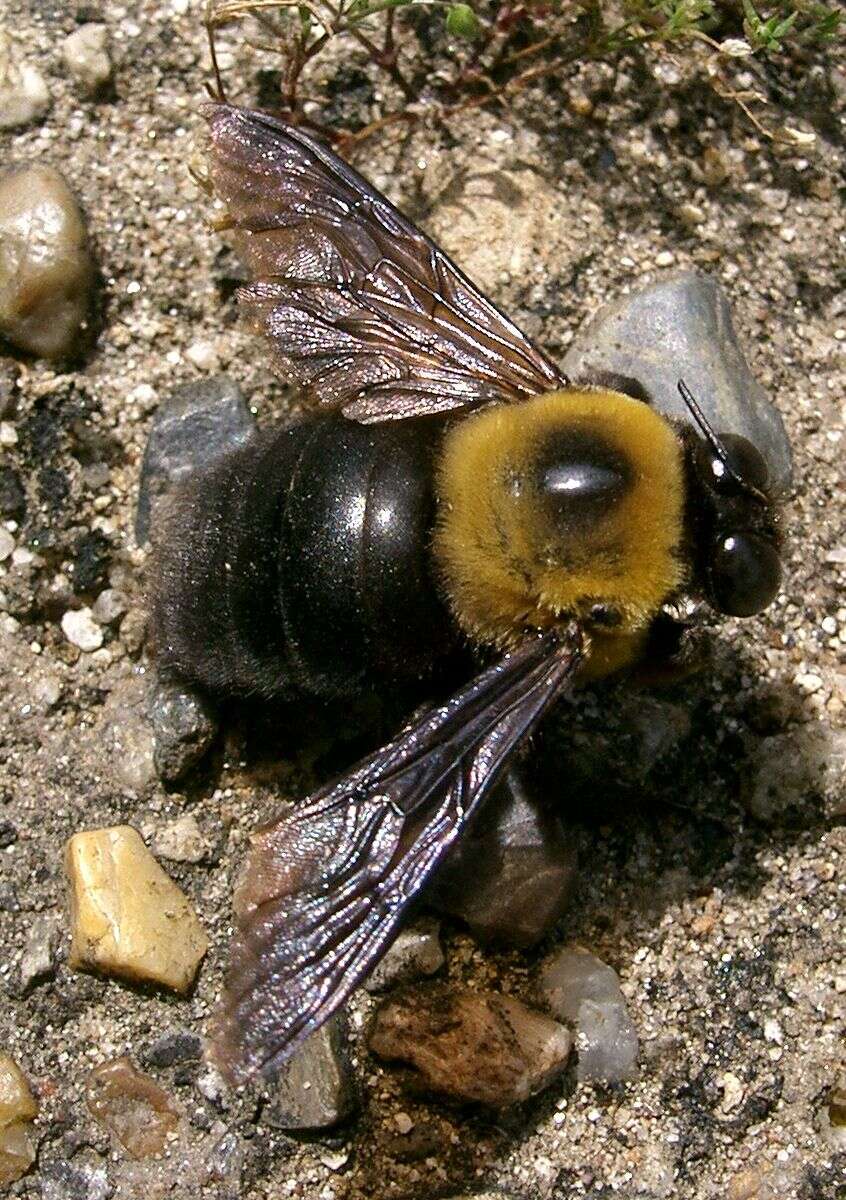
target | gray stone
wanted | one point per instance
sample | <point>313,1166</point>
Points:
<point>789,774</point>
<point>77,1180</point>
<point>126,735</point>
<point>38,961</point>
<point>314,1089</point>
<point>184,727</point>
<point>580,989</point>
<point>416,952</point>
<point>174,1046</point>
<point>681,327</point>
<point>512,876</point>
<point>198,425</point>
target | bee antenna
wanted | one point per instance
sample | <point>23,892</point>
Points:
<point>218,92</point>
<point>713,440</point>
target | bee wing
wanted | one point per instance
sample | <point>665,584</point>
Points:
<point>325,888</point>
<point>362,310</point>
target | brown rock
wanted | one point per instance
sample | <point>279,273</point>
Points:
<point>128,917</point>
<point>472,1045</point>
<point>17,1111</point>
<point>131,1106</point>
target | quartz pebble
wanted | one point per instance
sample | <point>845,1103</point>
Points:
<point>108,606</point>
<point>131,1106</point>
<point>416,952</point>
<point>184,727</point>
<point>477,1046</point>
<point>81,630</point>
<point>86,57</point>
<point>128,918</point>
<point>181,841</point>
<point>314,1089</point>
<point>24,98</point>
<point>18,1109</point>
<point>127,736</point>
<point>7,544</point>
<point>512,875</point>
<point>580,989</point>
<point>46,270</point>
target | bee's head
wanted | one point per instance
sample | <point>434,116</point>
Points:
<point>736,562</point>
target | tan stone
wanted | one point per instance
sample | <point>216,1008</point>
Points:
<point>128,917</point>
<point>130,1104</point>
<point>18,1108</point>
<point>46,271</point>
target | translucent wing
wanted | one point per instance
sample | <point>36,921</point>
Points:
<point>325,888</point>
<point>362,310</point>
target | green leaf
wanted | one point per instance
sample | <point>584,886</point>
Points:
<point>462,22</point>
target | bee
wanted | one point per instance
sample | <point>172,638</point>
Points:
<point>450,488</point>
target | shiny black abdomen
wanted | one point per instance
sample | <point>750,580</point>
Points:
<point>301,563</point>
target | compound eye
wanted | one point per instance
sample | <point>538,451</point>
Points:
<point>742,461</point>
<point>745,573</point>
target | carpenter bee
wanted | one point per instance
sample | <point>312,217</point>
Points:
<point>451,487</point>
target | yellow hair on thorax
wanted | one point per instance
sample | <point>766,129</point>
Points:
<point>510,559</point>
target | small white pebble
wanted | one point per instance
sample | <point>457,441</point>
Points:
<point>403,1123</point>
<point>8,434</point>
<point>787,234</point>
<point>7,544</point>
<point>772,1031</point>
<point>829,625</point>
<point>81,630</point>
<point>22,557</point>
<point>203,356</point>
<point>809,682</point>
<point>665,258</point>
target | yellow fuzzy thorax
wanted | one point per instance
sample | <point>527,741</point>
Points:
<point>508,560</point>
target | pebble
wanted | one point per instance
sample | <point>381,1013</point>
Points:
<point>477,1046</point>
<point>128,918</point>
<point>38,961</point>
<point>108,606</point>
<point>184,726</point>
<point>7,544</point>
<point>664,258</point>
<point>86,57</point>
<point>415,953</point>
<point>203,356</point>
<point>182,841</point>
<point>127,736</point>
<point>199,424</point>
<point>173,1047</point>
<point>24,98</point>
<point>512,876</point>
<point>8,433</point>
<point>684,317</point>
<point>81,629</point>
<point>580,989</point>
<point>789,771</point>
<point>131,1106</point>
<point>46,269</point>
<point>18,1109</point>
<point>77,1180</point>
<point>315,1088</point>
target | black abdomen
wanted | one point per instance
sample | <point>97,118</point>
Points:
<point>301,563</point>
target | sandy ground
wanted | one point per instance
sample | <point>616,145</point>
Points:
<point>726,930</point>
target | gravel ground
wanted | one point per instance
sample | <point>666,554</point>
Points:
<point>712,856</point>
